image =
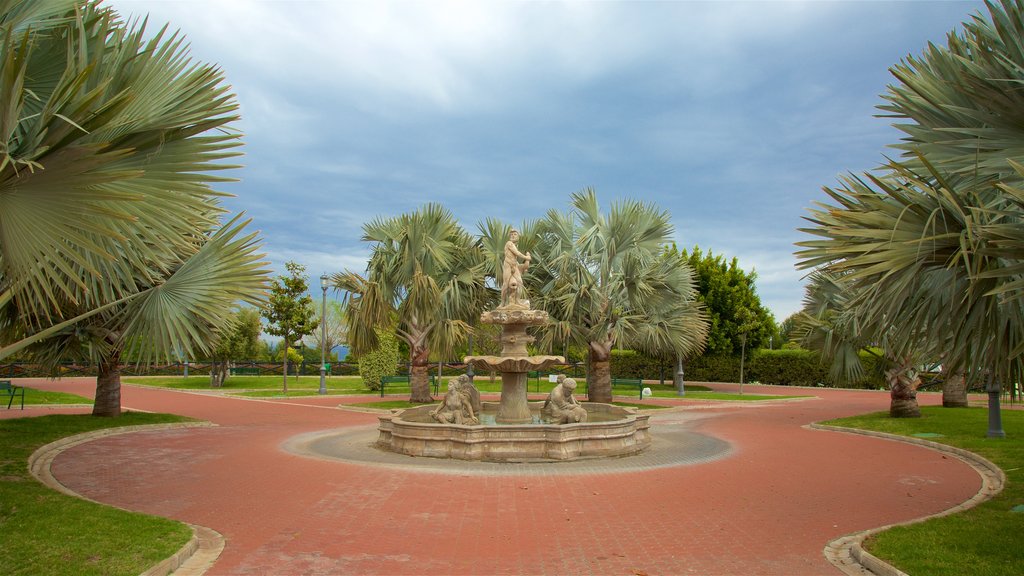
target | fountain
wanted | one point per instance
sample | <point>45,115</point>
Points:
<point>514,429</point>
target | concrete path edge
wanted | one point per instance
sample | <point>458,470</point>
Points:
<point>847,552</point>
<point>194,558</point>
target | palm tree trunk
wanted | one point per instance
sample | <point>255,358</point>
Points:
<point>108,387</point>
<point>419,377</point>
<point>903,383</point>
<point>954,390</point>
<point>599,373</point>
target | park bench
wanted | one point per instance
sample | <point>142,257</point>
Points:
<point>11,391</point>
<point>245,371</point>
<point>403,380</point>
<point>630,383</point>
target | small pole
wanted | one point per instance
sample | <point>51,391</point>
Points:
<point>995,417</point>
<point>680,384</point>
<point>323,335</point>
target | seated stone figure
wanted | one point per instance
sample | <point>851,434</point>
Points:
<point>465,386</point>
<point>457,406</point>
<point>561,406</point>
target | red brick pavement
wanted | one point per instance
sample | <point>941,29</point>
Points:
<point>769,508</point>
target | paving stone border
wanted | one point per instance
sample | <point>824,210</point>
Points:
<point>847,552</point>
<point>194,558</point>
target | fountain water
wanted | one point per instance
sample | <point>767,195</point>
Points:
<point>520,432</point>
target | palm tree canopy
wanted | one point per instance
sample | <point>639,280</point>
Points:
<point>425,273</point>
<point>106,208</point>
<point>606,279</point>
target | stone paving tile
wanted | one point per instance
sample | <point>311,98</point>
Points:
<point>768,508</point>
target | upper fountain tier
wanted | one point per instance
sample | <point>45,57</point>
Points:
<point>513,315</point>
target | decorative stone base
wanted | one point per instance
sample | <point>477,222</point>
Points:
<point>611,431</point>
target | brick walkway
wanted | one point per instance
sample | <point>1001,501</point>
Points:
<point>768,508</point>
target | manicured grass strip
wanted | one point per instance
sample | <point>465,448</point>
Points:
<point>386,404</point>
<point>292,393</point>
<point>46,532</point>
<point>639,406</point>
<point>352,384</point>
<point>984,540</point>
<point>41,397</point>
<point>736,397</point>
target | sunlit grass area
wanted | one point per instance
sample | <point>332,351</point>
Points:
<point>984,540</point>
<point>46,532</point>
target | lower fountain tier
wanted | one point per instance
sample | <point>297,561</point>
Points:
<point>513,363</point>
<point>610,431</point>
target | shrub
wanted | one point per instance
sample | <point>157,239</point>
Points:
<point>375,365</point>
<point>787,368</point>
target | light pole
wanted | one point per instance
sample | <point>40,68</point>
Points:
<point>680,384</point>
<point>469,369</point>
<point>323,335</point>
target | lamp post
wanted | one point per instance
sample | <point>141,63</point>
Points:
<point>323,335</point>
<point>469,369</point>
<point>680,384</point>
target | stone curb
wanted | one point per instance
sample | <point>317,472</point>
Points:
<point>194,558</point>
<point>847,552</point>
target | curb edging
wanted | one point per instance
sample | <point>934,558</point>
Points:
<point>847,552</point>
<point>192,559</point>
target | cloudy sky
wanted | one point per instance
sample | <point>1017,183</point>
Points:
<point>731,115</point>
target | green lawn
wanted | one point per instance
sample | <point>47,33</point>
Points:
<point>984,540</point>
<point>46,532</point>
<point>341,384</point>
<point>38,397</point>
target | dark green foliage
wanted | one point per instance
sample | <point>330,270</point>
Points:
<point>732,305</point>
<point>787,368</point>
<point>381,361</point>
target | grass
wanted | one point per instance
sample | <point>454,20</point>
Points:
<point>46,532</point>
<point>292,393</point>
<point>340,384</point>
<point>984,540</point>
<point>40,397</point>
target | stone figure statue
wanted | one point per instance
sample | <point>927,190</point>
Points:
<point>457,406</point>
<point>561,406</point>
<point>512,271</point>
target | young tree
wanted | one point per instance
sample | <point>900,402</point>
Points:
<point>239,340</point>
<point>111,240</point>
<point>289,311</point>
<point>336,329</point>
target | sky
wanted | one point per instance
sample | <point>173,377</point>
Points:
<point>732,116</point>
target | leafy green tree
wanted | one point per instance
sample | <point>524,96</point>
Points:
<point>381,361</point>
<point>111,239</point>
<point>606,281</point>
<point>425,277</point>
<point>737,318</point>
<point>289,311</point>
<point>940,228</point>
<point>240,340</point>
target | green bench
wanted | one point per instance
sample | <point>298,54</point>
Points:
<point>245,371</point>
<point>403,380</point>
<point>631,383</point>
<point>11,391</point>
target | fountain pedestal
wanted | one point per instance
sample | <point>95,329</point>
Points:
<point>515,361</point>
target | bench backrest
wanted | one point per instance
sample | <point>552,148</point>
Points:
<point>5,385</point>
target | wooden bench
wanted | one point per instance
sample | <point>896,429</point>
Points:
<point>403,380</point>
<point>11,391</point>
<point>637,383</point>
<point>245,371</point>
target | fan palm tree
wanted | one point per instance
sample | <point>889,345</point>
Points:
<point>934,238</point>
<point>606,281</point>
<point>111,240</point>
<point>425,278</point>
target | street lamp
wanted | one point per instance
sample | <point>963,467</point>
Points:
<point>323,335</point>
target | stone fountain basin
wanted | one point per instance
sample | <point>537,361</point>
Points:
<point>609,431</point>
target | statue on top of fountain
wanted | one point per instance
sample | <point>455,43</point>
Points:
<point>512,291</point>
<point>561,406</point>
<point>461,403</point>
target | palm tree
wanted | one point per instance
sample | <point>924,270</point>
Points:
<point>425,278</point>
<point>940,228</point>
<point>606,281</point>
<point>111,240</point>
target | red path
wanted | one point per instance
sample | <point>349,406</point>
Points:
<point>769,508</point>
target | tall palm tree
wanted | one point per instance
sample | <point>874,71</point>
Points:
<point>606,281</point>
<point>939,229</point>
<point>425,278</point>
<point>111,240</point>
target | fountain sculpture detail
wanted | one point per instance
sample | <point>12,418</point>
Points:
<point>566,430</point>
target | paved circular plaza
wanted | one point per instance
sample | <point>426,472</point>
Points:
<point>726,489</point>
